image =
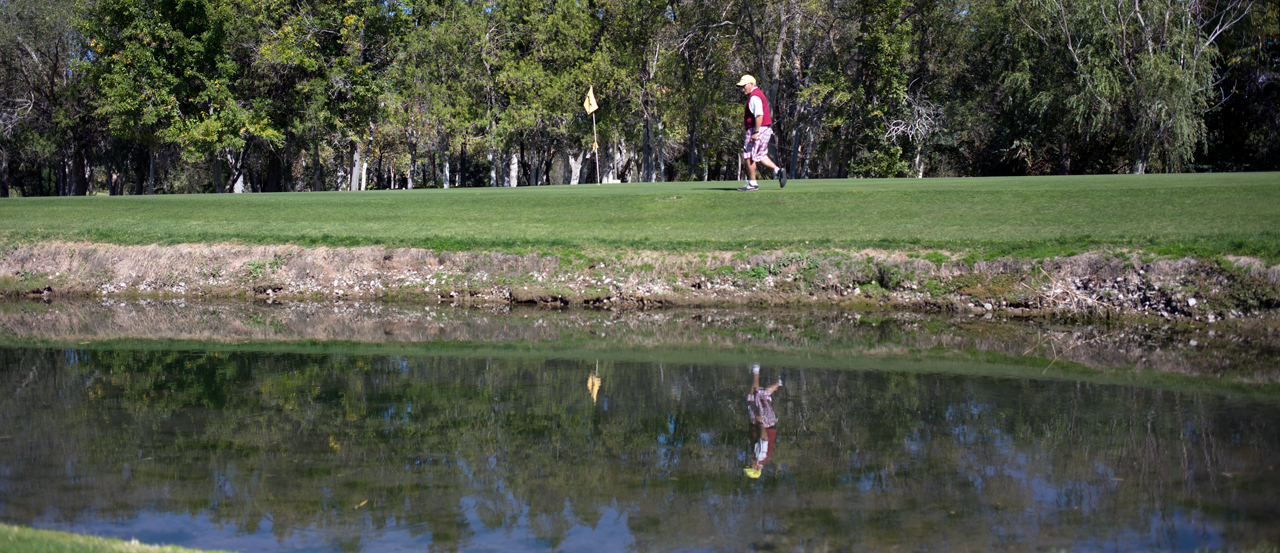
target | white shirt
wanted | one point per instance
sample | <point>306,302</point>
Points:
<point>755,106</point>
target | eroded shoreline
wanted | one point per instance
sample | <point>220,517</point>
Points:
<point>1094,283</point>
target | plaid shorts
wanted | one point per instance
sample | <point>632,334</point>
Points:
<point>759,148</point>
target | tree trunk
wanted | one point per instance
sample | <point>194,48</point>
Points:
<point>1140,161</point>
<point>4,174</point>
<point>513,170</point>
<point>273,174</point>
<point>446,174</point>
<point>705,163</point>
<point>413,164</point>
<point>500,167</point>
<point>364,166</point>
<point>151,169</point>
<point>693,153</point>
<point>808,147</point>
<point>662,164</point>
<point>646,152</point>
<point>255,179</point>
<point>287,171</point>
<point>462,164</point>
<point>535,165</point>
<point>791,159</point>
<point>79,178</point>
<point>607,170</point>
<point>138,176</point>
<point>319,167</point>
<point>493,169</point>
<point>112,181</point>
<point>237,172</point>
<point>60,178</point>
<point>217,174</point>
<point>354,181</point>
<point>528,171</point>
<point>575,167</point>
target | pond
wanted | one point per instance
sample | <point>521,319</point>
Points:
<point>351,427</point>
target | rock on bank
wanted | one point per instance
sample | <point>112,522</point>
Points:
<point>1113,282</point>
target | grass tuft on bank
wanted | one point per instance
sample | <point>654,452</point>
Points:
<point>1196,215</point>
<point>19,539</point>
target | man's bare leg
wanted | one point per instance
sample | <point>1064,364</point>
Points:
<point>751,167</point>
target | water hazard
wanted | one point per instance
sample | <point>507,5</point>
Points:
<point>374,428</point>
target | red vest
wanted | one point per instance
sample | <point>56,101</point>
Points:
<point>749,120</point>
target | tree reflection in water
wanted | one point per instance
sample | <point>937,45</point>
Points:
<point>361,451</point>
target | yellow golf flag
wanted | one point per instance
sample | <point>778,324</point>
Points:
<point>590,103</point>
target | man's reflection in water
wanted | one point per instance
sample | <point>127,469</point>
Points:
<point>763,423</point>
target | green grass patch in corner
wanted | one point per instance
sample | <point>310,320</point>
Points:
<point>28,540</point>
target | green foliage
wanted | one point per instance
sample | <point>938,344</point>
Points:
<point>254,268</point>
<point>937,257</point>
<point>1146,70</point>
<point>343,95</point>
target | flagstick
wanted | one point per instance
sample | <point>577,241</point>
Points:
<point>595,145</point>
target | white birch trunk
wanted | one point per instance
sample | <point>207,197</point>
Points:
<point>364,172</point>
<point>413,165</point>
<point>493,169</point>
<point>575,167</point>
<point>356,161</point>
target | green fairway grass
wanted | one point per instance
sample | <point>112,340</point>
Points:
<point>1183,214</point>
<point>26,540</point>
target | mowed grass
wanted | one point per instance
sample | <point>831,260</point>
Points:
<point>1185,214</point>
<point>26,540</point>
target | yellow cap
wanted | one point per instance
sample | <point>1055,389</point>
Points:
<point>751,473</point>
<point>746,79</point>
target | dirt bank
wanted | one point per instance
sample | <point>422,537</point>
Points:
<point>1125,283</point>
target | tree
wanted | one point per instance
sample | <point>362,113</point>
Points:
<point>1146,68</point>
<point>923,121</point>
<point>1244,126</point>
<point>43,127</point>
<point>147,61</point>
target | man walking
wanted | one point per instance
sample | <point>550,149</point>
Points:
<point>758,123</point>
